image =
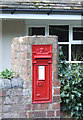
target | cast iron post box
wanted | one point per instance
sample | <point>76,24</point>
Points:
<point>41,73</point>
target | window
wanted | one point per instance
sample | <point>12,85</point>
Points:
<point>77,33</point>
<point>61,31</point>
<point>65,51</point>
<point>77,52</point>
<point>69,37</point>
<point>36,31</point>
<point>77,44</point>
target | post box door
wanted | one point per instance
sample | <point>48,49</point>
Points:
<point>42,84</point>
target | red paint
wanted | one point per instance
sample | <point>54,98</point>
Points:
<point>41,73</point>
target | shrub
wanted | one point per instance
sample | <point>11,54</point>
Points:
<point>6,74</point>
<point>71,77</point>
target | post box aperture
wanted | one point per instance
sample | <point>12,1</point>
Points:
<point>41,73</point>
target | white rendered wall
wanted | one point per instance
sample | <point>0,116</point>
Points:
<point>15,28</point>
<point>10,30</point>
<point>0,45</point>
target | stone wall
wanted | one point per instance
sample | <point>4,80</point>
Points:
<point>13,99</point>
<point>18,101</point>
<point>13,103</point>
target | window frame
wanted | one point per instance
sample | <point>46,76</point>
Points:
<point>69,43</point>
<point>76,41</point>
<point>72,42</point>
<point>37,25</point>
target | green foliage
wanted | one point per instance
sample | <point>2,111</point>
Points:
<point>71,77</point>
<point>6,74</point>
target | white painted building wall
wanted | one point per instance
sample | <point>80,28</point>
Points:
<point>10,30</point>
<point>15,28</point>
<point>0,44</point>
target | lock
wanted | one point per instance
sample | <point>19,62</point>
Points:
<point>39,84</point>
<point>42,73</point>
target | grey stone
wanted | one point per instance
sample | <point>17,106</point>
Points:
<point>9,115</point>
<point>16,99</point>
<point>7,83</point>
<point>0,116</point>
<point>1,84</point>
<point>25,92</point>
<point>6,108</point>
<point>7,100</point>
<point>8,92</point>
<point>19,82</point>
<point>14,82</point>
<point>0,108</point>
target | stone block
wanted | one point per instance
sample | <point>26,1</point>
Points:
<point>23,115</point>
<point>24,55</point>
<point>6,108</point>
<point>55,62</point>
<point>27,100</point>
<point>56,83</point>
<point>14,82</point>
<point>36,107</point>
<point>57,91</point>
<point>0,108</point>
<point>2,93</point>
<point>0,100</point>
<point>18,55</point>
<point>0,116</point>
<point>55,47</point>
<point>29,48</point>
<point>57,112</point>
<point>25,92</point>
<point>7,100</point>
<point>6,115</point>
<point>55,55</point>
<point>55,76</point>
<point>16,99</point>
<point>56,106</point>
<point>23,62</point>
<point>29,77</point>
<point>10,115</point>
<point>17,92</point>
<point>19,82</point>
<point>1,84</point>
<point>26,84</point>
<point>56,99</point>
<point>40,106</point>
<point>44,106</point>
<point>28,55</point>
<point>24,69</point>
<point>16,61</point>
<point>37,114</point>
<point>28,107</point>
<point>22,47</point>
<point>8,92</point>
<point>7,83</point>
<point>19,107</point>
<point>24,77</point>
<point>50,113</point>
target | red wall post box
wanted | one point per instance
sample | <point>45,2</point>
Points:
<point>41,73</point>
